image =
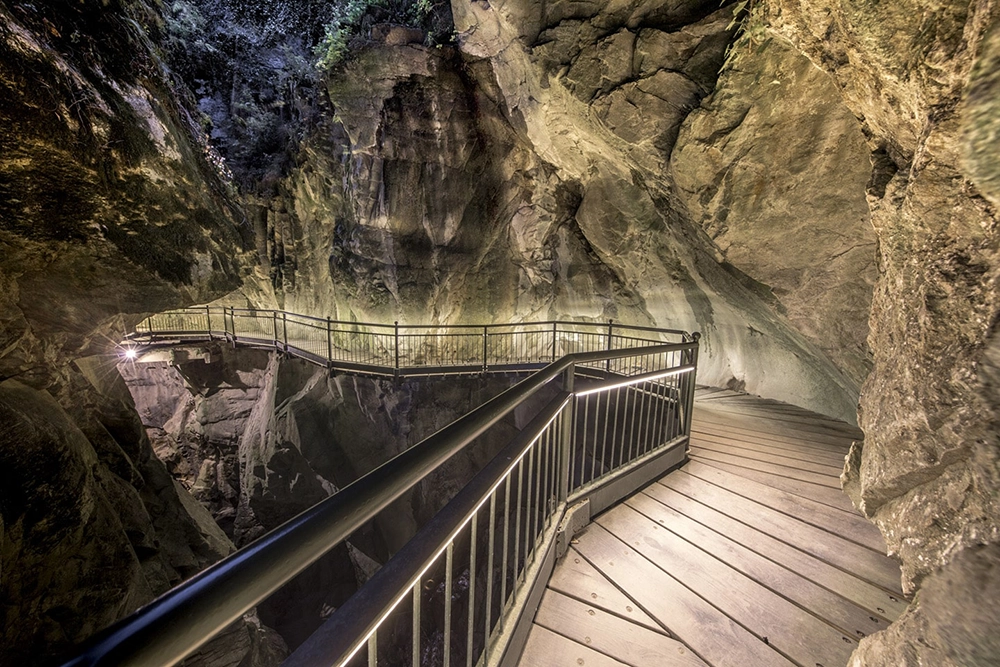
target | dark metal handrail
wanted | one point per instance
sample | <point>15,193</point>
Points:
<point>176,624</point>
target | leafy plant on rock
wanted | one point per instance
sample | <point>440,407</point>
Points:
<point>750,31</point>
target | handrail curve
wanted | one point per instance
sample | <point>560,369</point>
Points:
<point>658,384</point>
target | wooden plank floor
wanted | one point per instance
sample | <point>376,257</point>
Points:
<point>750,554</point>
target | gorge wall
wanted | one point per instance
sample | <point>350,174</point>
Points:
<point>529,176</point>
<point>108,211</point>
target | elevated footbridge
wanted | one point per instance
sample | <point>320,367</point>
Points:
<point>695,565</point>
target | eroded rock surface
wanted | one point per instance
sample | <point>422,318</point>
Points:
<point>774,166</point>
<point>495,184</point>
<point>108,211</point>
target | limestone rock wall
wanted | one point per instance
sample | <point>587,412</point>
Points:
<point>774,166</point>
<point>527,175</point>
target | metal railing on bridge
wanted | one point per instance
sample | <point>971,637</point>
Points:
<point>398,349</point>
<point>463,590</point>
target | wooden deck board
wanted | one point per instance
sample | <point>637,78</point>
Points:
<point>578,578</point>
<point>822,494</point>
<point>613,636</point>
<point>846,617</point>
<point>726,426</point>
<point>765,466</point>
<point>795,633</point>
<point>874,599</point>
<point>761,454</point>
<point>713,636</point>
<point>548,648</point>
<point>835,550</point>
<point>749,554</point>
<point>850,525</point>
<point>801,453</point>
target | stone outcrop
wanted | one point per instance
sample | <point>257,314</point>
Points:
<point>108,211</point>
<point>773,166</point>
<point>559,159</point>
<point>510,180</point>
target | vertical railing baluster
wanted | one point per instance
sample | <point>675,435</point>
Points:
<point>517,523</point>
<point>472,593</point>
<point>528,522</point>
<point>607,420</point>
<point>284,329</point>
<point>566,441</point>
<point>641,429</point>
<point>489,569</point>
<point>573,442</point>
<point>329,339</point>
<point>631,430</point>
<point>208,321</point>
<point>621,418</point>
<point>396,338</point>
<point>373,649</point>
<point>607,364</point>
<point>449,565</point>
<point>695,337</point>
<point>485,334</point>
<point>554,336</point>
<point>506,546</point>
<point>274,328</point>
<point>416,624</point>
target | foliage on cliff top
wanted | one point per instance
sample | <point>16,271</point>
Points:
<point>251,67</point>
<point>352,18</point>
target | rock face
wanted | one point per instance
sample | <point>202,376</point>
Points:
<point>509,180</point>
<point>108,211</point>
<point>258,439</point>
<point>560,159</point>
<point>774,167</point>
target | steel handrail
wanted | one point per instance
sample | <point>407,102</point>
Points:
<point>183,619</point>
<point>353,621</point>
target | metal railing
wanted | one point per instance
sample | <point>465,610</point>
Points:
<point>396,349</point>
<point>618,419</point>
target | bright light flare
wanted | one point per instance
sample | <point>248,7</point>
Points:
<point>131,354</point>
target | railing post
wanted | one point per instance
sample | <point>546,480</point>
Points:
<point>566,443</point>
<point>485,333</point>
<point>611,326</point>
<point>208,321</point>
<point>284,329</point>
<point>274,328</point>
<point>554,336</point>
<point>689,399</point>
<point>329,340</point>
<point>396,336</point>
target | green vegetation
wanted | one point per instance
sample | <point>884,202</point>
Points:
<point>350,17</point>
<point>751,31</point>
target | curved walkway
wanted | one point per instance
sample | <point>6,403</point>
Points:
<point>749,554</point>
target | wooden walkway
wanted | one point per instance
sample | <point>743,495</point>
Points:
<point>748,555</point>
